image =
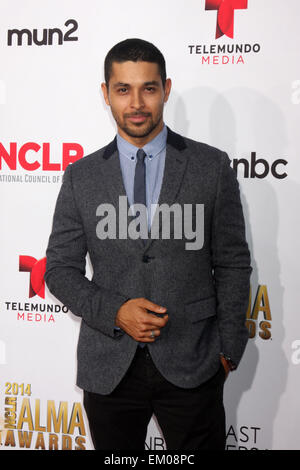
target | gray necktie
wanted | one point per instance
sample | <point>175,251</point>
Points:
<point>140,188</point>
<point>140,181</point>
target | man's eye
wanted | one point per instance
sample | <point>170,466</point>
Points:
<point>122,90</point>
<point>150,88</point>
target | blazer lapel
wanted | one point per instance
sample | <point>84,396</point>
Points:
<point>175,164</point>
<point>111,170</point>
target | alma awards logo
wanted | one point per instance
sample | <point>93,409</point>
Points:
<point>39,424</point>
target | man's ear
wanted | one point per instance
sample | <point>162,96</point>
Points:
<point>168,85</point>
<point>105,93</point>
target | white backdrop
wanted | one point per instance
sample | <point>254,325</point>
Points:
<point>51,110</point>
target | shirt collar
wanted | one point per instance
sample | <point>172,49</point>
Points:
<point>152,148</point>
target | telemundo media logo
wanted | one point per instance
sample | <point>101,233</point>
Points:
<point>36,268</point>
<point>221,53</point>
<point>225,15</point>
<point>34,312</point>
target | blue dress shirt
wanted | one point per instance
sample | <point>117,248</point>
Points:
<point>155,163</point>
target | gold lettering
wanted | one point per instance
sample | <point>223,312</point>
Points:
<point>265,332</point>
<point>261,304</point>
<point>25,439</point>
<point>25,415</point>
<point>66,443</point>
<point>251,325</point>
<point>40,442</point>
<point>11,401</point>
<point>37,425</point>
<point>60,422</point>
<point>80,441</point>
<point>53,442</point>
<point>10,413</point>
<point>76,412</point>
<point>10,420</point>
<point>10,439</point>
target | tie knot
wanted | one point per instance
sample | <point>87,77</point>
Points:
<point>140,155</point>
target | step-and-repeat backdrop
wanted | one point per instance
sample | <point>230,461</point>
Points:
<point>236,85</point>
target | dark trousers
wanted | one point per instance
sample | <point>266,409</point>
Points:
<point>190,419</point>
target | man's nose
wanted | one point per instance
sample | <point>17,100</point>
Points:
<point>137,100</point>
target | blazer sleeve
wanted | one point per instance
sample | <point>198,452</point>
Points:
<point>231,263</point>
<point>66,267</point>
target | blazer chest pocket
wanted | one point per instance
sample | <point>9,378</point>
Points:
<point>201,309</point>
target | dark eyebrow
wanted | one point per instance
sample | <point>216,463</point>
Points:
<point>116,85</point>
<point>154,82</point>
<point>121,84</point>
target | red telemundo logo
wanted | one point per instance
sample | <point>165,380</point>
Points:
<point>225,18</point>
<point>36,268</point>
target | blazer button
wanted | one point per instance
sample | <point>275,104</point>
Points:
<point>147,258</point>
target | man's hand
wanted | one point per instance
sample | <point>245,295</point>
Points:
<point>134,319</point>
<point>226,366</point>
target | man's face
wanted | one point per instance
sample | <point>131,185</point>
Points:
<point>136,97</point>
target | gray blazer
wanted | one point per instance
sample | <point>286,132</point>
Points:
<point>205,291</point>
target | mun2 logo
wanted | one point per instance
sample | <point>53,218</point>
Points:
<point>45,37</point>
<point>225,16</point>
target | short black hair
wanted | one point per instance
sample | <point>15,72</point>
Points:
<point>135,50</point>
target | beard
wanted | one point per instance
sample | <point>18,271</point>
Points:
<point>137,129</point>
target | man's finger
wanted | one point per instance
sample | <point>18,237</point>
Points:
<point>150,335</point>
<point>152,306</point>
<point>151,320</point>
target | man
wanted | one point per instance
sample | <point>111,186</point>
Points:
<point>162,325</point>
